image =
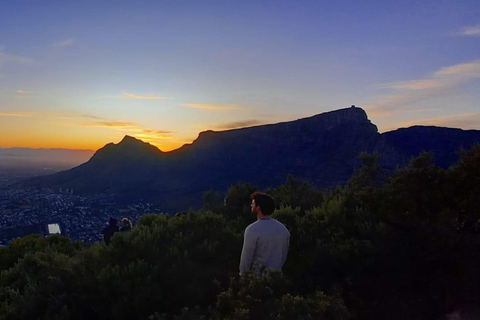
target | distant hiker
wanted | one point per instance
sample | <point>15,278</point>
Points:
<point>126,225</point>
<point>266,241</point>
<point>110,230</point>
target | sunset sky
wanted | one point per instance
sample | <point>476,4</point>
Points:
<point>80,74</point>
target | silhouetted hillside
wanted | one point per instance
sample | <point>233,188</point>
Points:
<point>442,142</point>
<point>322,149</point>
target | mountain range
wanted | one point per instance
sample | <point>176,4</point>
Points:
<point>322,149</point>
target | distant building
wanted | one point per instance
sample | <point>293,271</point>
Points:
<point>54,228</point>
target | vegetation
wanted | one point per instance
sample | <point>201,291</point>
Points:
<point>402,247</point>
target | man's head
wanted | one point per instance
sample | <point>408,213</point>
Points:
<point>126,222</point>
<point>262,203</point>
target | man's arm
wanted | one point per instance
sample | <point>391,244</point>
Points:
<point>248,251</point>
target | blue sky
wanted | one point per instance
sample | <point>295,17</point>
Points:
<point>85,73</point>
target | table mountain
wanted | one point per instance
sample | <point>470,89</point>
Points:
<point>322,149</point>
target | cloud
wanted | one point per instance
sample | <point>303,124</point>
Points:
<point>64,43</point>
<point>388,104</point>
<point>436,84</point>
<point>155,131</point>
<point>150,135</point>
<point>154,136</point>
<point>471,31</point>
<point>18,114</point>
<point>208,106</point>
<point>88,116</point>
<point>239,124</point>
<point>24,92</point>
<point>131,128</point>
<point>8,58</point>
<point>47,115</point>
<point>114,124</point>
<point>445,77</point>
<point>132,96</point>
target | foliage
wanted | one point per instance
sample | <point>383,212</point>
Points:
<point>214,201</point>
<point>267,297</point>
<point>398,247</point>
<point>237,202</point>
<point>297,194</point>
<point>10,254</point>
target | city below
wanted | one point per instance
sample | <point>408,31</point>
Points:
<point>48,211</point>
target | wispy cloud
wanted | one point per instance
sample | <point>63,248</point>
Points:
<point>48,115</point>
<point>239,124</point>
<point>18,114</point>
<point>208,106</point>
<point>64,43</point>
<point>408,92</point>
<point>8,58</point>
<point>155,136</point>
<point>104,123</point>
<point>471,31</point>
<point>132,96</point>
<point>87,116</point>
<point>388,104</point>
<point>132,128</point>
<point>150,131</point>
<point>24,92</point>
<point>444,77</point>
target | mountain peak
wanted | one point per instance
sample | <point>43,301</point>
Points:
<point>129,148</point>
<point>134,144</point>
<point>130,139</point>
<point>349,114</point>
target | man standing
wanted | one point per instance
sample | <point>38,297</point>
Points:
<point>110,230</point>
<point>266,241</point>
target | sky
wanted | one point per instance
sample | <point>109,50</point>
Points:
<point>80,74</point>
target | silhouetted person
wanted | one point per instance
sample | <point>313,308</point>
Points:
<point>266,241</point>
<point>126,225</point>
<point>110,230</point>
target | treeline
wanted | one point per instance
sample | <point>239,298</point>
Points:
<point>404,246</point>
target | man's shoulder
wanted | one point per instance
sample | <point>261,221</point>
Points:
<point>262,224</point>
<point>280,226</point>
<point>256,228</point>
<point>252,226</point>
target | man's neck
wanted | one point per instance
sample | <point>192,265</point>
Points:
<point>262,216</point>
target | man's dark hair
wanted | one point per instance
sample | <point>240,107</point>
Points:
<point>264,201</point>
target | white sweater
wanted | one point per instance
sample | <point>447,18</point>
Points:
<point>265,245</point>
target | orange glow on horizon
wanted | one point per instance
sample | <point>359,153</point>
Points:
<point>77,144</point>
<point>49,132</point>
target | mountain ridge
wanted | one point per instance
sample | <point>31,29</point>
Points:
<point>322,149</point>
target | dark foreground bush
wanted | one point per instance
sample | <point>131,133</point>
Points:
<point>403,247</point>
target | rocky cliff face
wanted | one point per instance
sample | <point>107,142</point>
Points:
<point>322,149</point>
